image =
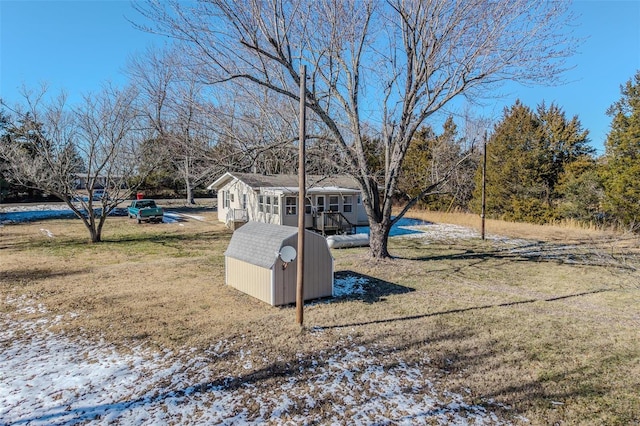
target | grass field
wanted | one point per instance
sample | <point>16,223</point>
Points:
<point>539,324</point>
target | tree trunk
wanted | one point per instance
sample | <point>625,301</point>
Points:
<point>190,199</point>
<point>95,235</point>
<point>378,239</point>
<point>187,185</point>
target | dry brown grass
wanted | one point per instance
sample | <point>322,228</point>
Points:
<point>547,325</point>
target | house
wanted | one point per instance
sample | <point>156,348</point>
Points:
<point>260,261</point>
<point>333,203</point>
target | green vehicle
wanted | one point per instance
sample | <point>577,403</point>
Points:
<point>145,210</point>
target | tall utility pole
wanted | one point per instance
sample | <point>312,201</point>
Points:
<point>484,181</point>
<point>302,196</point>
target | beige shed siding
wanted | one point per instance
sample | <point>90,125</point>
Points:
<point>251,279</point>
<point>253,266</point>
<point>318,271</point>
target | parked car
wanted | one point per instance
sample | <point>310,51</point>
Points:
<point>145,210</point>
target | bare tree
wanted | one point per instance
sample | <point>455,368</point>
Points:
<point>52,147</point>
<point>257,126</point>
<point>172,103</point>
<point>396,62</point>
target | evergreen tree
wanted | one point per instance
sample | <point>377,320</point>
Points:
<point>528,155</point>
<point>580,190</point>
<point>563,142</point>
<point>416,164</point>
<point>621,173</point>
<point>513,190</point>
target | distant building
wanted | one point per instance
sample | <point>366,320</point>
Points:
<point>333,203</point>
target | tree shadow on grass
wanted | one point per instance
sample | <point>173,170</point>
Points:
<point>28,275</point>
<point>462,310</point>
<point>576,253</point>
<point>164,238</point>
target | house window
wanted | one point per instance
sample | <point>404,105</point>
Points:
<point>225,199</point>
<point>231,197</point>
<point>276,204</point>
<point>320,203</point>
<point>267,204</point>
<point>333,203</point>
<point>347,203</point>
<point>291,206</point>
<point>261,203</point>
<point>307,205</point>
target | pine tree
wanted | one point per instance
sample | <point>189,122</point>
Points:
<point>513,190</point>
<point>621,173</point>
<point>563,142</point>
<point>528,155</point>
<point>580,191</point>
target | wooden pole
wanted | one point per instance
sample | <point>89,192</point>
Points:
<point>484,182</point>
<point>301,198</point>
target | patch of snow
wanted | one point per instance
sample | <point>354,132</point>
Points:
<point>48,378</point>
<point>194,217</point>
<point>174,217</point>
<point>168,217</point>
<point>47,233</point>
<point>349,285</point>
<point>442,232</point>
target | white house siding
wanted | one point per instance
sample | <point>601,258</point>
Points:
<point>357,215</point>
<point>272,211</point>
<point>233,196</point>
<point>230,196</point>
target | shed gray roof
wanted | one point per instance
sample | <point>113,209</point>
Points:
<point>259,243</point>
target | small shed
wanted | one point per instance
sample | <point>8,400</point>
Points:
<point>253,263</point>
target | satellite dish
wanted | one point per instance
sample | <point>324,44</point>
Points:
<point>287,254</point>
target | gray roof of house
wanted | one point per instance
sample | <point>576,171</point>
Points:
<point>257,181</point>
<point>259,243</point>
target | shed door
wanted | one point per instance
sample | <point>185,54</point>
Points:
<point>285,284</point>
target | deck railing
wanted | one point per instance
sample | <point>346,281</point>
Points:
<point>237,215</point>
<point>333,223</point>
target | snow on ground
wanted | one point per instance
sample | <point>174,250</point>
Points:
<point>51,379</point>
<point>444,232</point>
<point>173,217</point>
<point>349,285</point>
<point>48,378</point>
<point>32,212</point>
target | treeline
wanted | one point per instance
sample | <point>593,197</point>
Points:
<point>540,167</point>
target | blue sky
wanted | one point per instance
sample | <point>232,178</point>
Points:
<point>79,45</point>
